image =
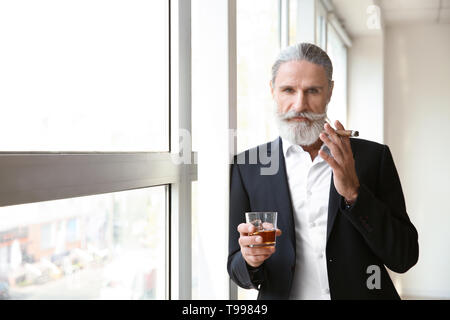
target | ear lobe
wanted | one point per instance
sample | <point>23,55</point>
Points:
<point>331,91</point>
<point>271,88</point>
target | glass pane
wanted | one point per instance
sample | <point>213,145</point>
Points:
<point>257,48</point>
<point>337,108</point>
<point>109,246</point>
<point>197,62</point>
<point>88,75</point>
<point>196,244</point>
<point>321,32</point>
<point>293,14</point>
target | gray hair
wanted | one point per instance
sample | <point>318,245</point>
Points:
<point>304,51</point>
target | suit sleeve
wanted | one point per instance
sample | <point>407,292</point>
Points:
<point>239,271</point>
<point>382,219</point>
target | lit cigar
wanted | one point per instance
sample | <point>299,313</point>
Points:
<point>347,133</point>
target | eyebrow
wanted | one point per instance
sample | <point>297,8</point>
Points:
<point>307,88</point>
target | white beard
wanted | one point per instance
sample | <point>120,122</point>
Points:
<point>303,133</point>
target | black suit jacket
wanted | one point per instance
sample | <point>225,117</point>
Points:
<point>376,230</point>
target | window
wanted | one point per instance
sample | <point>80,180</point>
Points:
<point>257,48</point>
<point>321,26</point>
<point>120,252</point>
<point>72,231</point>
<point>293,22</point>
<point>84,76</point>
<point>337,51</point>
<point>47,235</point>
<point>87,166</point>
<point>197,251</point>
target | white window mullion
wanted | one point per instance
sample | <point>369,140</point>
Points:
<point>232,100</point>
<point>284,23</point>
<point>181,141</point>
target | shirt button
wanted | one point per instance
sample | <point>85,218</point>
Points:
<point>312,224</point>
<point>320,256</point>
<point>309,193</point>
<point>326,291</point>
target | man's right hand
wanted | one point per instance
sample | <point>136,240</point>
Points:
<point>253,256</point>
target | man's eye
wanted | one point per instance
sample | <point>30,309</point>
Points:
<point>313,91</point>
<point>288,90</point>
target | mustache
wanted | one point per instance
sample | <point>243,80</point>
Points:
<point>308,115</point>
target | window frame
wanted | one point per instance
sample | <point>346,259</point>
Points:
<point>28,177</point>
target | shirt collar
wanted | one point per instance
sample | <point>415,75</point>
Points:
<point>289,147</point>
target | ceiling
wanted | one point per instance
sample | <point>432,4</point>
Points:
<point>415,11</point>
<point>354,14</point>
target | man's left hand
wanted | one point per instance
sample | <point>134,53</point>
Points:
<point>346,181</point>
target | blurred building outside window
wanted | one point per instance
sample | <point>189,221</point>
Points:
<point>118,253</point>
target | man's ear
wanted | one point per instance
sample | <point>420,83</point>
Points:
<point>272,89</point>
<point>331,90</point>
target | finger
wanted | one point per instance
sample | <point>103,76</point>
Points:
<point>245,228</point>
<point>257,260</point>
<point>342,149</point>
<point>278,233</point>
<point>332,134</point>
<point>335,150</point>
<point>245,241</point>
<point>341,141</point>
<point>345,140</point>
<point>330,160</point>
<point>255,251</point>
<point>339,125</point>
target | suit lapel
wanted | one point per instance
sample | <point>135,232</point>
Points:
<point>335,197</point>
<point>333,206</point>
<point>281,191</point>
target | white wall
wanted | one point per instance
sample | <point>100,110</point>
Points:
<point>417,129</point>
<point>365,87</point>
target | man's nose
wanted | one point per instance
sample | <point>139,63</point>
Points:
<point>300,103</point>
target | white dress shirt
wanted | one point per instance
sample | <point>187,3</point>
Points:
<point>309,185</point>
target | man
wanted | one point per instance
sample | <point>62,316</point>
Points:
<point>341,211</point>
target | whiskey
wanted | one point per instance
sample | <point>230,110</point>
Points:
<point>268,238</point>
<point>265,224</point>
